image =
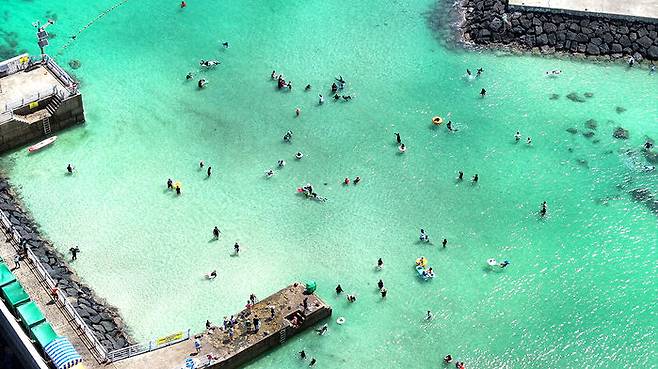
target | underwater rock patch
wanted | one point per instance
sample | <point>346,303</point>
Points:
<point>75,64</point>
<point>575,97</point>
<point>620,133</point>
<point>591,124</point>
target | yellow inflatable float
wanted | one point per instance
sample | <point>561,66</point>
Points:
<point>421,261</point>
<point>437,120</point>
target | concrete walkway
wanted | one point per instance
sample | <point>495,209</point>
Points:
<point>635,8</point>
<point>40,295</point>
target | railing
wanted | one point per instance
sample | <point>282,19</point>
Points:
<point>25,100</point>
<point>74,317</point>
<point>50,283</point>
<point>61,74</point>
<point>152,345</point>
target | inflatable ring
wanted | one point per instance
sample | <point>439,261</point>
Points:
<point>437,120</point>
<point>340,320</point>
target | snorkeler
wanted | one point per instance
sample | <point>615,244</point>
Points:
<point>202,83</point>
<point>225,44</point>
<point>380,284</point>
<point>212,275</point>
<point>517,136</point>
<point>380,263</point>
<point>483,92</point>
<point>209,171</point>
<point>357,179</point>
<point>445,242</point>
<point>321,101</point>
<point>529,141</point>
<point>468,71</point>
<point>189,76</point>
<point>397,137</point>
<point>69,168</point>
<point>308,87</point>
<point>298,111</point>
<point>424,236</point>
<point>461,175</point>
<point>475,178</point>
<point>322,330</point>
<point>281,163</point>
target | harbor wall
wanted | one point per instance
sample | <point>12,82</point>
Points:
<point>494,23</point>
<point>16,133</point>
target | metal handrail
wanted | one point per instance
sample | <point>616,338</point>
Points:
<point>105,355</point>
<point>16,237</point>
<point>24,101</point>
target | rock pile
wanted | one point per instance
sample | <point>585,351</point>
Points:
<point>100,318</point>
<point>492,22</point>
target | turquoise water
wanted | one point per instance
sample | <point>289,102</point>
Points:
<point>581,290</point>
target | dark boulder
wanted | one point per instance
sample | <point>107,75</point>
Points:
<point>550,27</point>
<point>645,42</point>
<point>496,24</point>
<point>652,52</point>
<point>620,133</point>
<point>593,49</point>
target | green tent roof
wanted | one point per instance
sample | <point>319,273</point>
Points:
<point>30,314</point>
<point>6,276</point>
<point>43,334</point>
<point>14,294</point>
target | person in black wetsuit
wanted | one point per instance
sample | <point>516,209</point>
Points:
<point>216,232</point>
<point>397,137</point>
<point>339,289</point>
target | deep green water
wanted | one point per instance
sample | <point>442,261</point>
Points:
<point>582,287</point>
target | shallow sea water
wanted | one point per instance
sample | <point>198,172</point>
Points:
<point>581,289</point>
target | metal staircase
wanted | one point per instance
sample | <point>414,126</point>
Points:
<point>54,104</point>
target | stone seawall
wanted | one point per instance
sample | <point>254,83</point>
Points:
<point>102,319</point>
<point>493,23</point>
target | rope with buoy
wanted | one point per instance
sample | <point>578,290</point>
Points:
<point>99,16</point>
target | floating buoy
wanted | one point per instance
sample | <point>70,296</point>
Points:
<point>437,120</point>
<point>340,320</point>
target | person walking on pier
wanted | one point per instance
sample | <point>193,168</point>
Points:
<point>74,252</point>
<point>197,345</point>
<point>216,232</point>
<point>305,303</point>
<point>272,312</point>
<point>17,261</point>
<point>256,324</point>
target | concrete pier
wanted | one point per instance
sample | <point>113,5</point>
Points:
<point>246,344</point>
<point>37,99</point>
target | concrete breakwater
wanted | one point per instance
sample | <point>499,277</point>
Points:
<point>494,23</point>
<point>102,320</point>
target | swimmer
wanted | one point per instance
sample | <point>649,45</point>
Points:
<point>383,291</point>
<point>468,71</point>
<point>170,184</point>
<point>287,136</point>
<point>313,361</point>
<point>281,163</point>
<point>380,284</point>
<point>216,232</point>
<point>351,298</point>
<point>321,101</point>
<point>69,168</point>
<point>178,192</point>
<point>631,61</point>
<point>225,44</point>
<point>380,263</point>
<point>189,76</point>
<point>209,171</point>
<point>322,330</point>
<point>339,289</point>
<point>334,87</point>
<point>273,75</point>
<point>424,236</point>
<point>299,155</point>
<point>449,126</point>
<point>209,63</point>
<point>201,164</point>
<point>652,68</point>
<point>529,141</point>
<point>517,136</point>
<point>402,148</point>
<point>236,248</point>
<point>647,145</point>
<point>483,92</point>
<point>269,173</point>
<point>445,242</point>
<point>202,83</point>
<point>298,111</point>
<point>429,315</point>
<point>212,275</point>
<point>479,71</point>
<point>308,87</point>
<point>183,4</point>
<point>347,98</point>
<point>397,137</point>
<point>461,176</point>
<point>475,178</point>
<point>504,263</point>
<point>346,181</point>
<point>302,355</point>
<point>357,179</point>
<point>447,358</point>
<point>290,85</point>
